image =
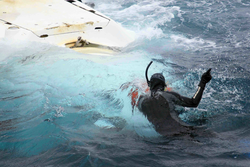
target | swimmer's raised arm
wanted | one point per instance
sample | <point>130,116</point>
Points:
<point>195,100</point>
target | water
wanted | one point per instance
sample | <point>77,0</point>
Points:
<point>62,108</point>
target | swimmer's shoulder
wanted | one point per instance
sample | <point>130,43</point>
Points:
<point>170,94</point>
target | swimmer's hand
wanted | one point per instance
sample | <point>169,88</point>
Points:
<point>205,78</point>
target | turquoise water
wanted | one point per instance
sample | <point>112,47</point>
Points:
<point>62,108</point>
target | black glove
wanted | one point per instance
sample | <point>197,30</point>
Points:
<point>205,78</point>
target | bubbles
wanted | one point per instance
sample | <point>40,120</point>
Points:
<point>59,111</point>
<point>142,127</point>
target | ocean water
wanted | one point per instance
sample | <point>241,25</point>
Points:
<point>62,108</point>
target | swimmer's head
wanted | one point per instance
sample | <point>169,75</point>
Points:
<point>157,80</point>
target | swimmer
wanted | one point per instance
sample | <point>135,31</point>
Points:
<point>159,105</point>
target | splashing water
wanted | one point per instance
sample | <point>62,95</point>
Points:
<point>59,107</point>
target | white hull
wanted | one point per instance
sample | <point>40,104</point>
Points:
<point>60,23</point>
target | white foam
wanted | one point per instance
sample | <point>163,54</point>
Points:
<point>143,17</point>
<point>245,4</point>
<point>104,124</point>
<point>193,43</point>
